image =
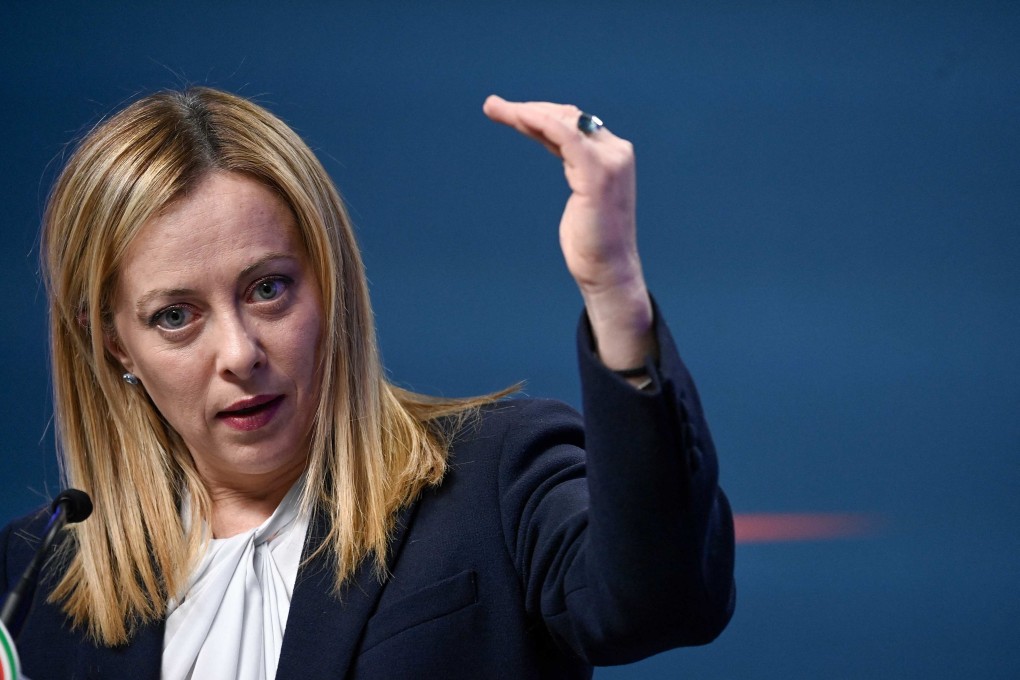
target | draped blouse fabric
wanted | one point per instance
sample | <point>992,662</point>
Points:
<point>230,622</point>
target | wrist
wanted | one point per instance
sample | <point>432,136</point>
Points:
<point>621,320</point>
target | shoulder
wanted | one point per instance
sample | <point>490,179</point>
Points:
<point>515,452</point>
<point>505,441</point>
<point>513,425</point>
<point>521,414</point>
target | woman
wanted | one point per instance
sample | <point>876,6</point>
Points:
<point>268,505</point>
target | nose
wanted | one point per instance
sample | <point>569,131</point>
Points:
<point>239,352</point>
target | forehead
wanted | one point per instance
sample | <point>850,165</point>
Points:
<point>226,221</point>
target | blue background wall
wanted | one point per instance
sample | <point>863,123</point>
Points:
<point>829,213</point>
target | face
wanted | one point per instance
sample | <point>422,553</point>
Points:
<point>217,313</point>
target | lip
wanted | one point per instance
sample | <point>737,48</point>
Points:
<point>252,413</point>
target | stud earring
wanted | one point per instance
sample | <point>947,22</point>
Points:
<point>131,379</point>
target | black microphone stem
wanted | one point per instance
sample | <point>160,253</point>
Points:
<point>72,505</point>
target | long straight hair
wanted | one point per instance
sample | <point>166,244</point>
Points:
<point>374,446</point>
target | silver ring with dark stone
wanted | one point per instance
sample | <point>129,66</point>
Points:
<point>589,124</point>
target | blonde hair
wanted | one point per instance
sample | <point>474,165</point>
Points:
<point>374,446</point>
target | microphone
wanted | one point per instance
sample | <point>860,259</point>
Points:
<point>70,506</point>
<point>77,503</point>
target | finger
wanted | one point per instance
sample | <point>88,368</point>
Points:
<point>504,111</point>
<point>508,113</point>
<point>546,122</point>
<point>516,114</point>
<point>552,125</point>
<point>585,157</point>
<point>569,113</point>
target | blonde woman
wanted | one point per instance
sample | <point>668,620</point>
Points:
<point>268,505</point>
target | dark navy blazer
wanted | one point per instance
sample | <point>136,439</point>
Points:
<point>552,544</point>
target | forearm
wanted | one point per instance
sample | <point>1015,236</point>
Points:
<point>660,536</point>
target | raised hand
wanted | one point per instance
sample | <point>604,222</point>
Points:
<point>598,228</point>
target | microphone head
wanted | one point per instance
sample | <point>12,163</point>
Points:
<point>77,505</point>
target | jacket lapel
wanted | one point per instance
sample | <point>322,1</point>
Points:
<point>323,631</point>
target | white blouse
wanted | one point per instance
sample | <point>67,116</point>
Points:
<point>229,623</point>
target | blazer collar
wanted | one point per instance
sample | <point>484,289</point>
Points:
<point>323,631</point>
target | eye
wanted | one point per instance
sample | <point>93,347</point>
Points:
<point>172,318</point>
<point>268,289</point>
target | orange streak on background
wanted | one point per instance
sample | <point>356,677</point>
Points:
<point>796,526</point>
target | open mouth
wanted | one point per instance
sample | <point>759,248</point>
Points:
<point>252,406</point>
<point>255,408</point>
<point>253,415</point>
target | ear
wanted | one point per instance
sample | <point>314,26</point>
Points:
<point>114,347</point>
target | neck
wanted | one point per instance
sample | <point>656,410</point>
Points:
<point>244,504</point>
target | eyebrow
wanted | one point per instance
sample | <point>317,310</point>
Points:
<point>151,295</point>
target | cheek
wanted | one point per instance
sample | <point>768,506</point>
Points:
<point>177,388</point>
<point>304,347</point>
<point>305,337</point>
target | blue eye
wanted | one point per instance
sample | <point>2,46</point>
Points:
<point>172,318</point>
<point>267,289</point>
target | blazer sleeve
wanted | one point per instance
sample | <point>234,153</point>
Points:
<point>624,549</point>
